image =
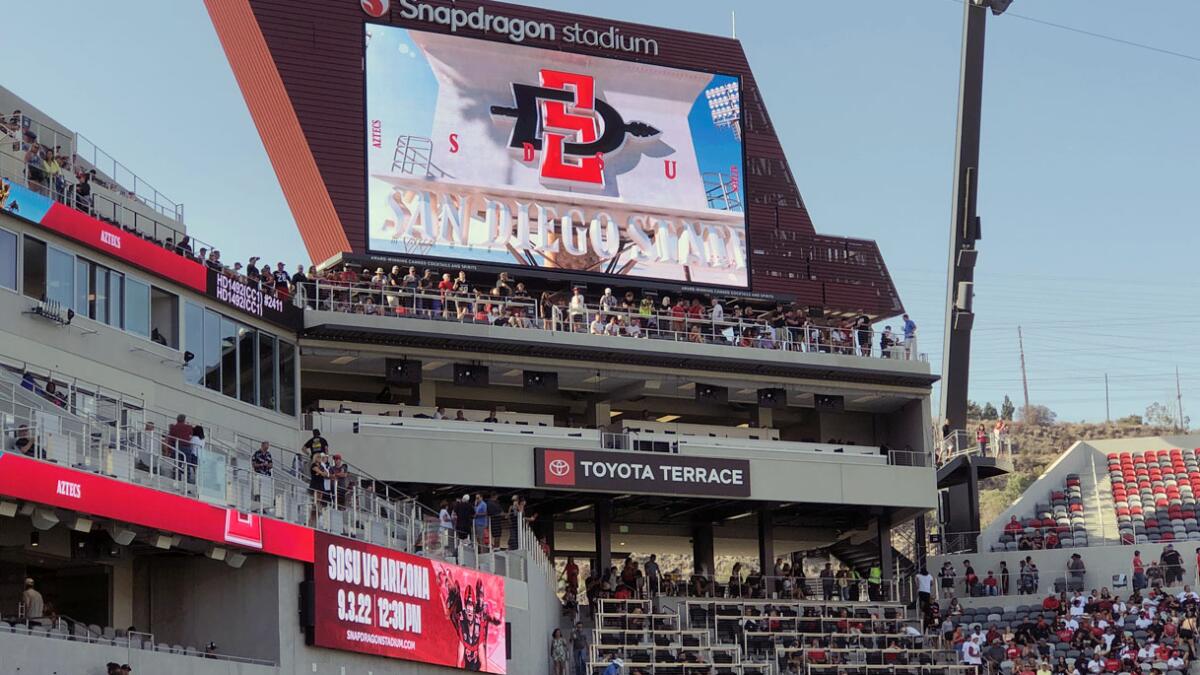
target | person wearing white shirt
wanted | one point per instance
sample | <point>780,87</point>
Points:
<point>1175,661</point>
<point>1143,622</point>
<point>924,587</point>
<point>608,301</point>
<point>971,654</point>
<point>613,327</point>
<point>1146,653</point>
<point>597,327</point>
<point>634,329</point>
<point>718,315</point>
<point>1072,624</point>
<point>1096,666</point>
<point>1077,606</point>
<point>577,309</point>
<point>1187,595</point>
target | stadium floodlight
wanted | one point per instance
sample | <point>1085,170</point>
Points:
<point>235,559</point>
<point>44,519</point>
<point>81,524</point>
<point>8,509</point>
<point>120,535</point>
<point>997,6</point>
<point>216,552</point>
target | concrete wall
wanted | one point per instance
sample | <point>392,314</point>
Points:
<point>29,655</point>
<point>439,457</point>
<point>191,601</point>
<point>1102,563</point>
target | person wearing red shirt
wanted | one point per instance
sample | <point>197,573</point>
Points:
<point>1051,540</point>
<point>445,286</point>
<point>1013,527</point>
<point>1112,665</point>
<point>1013,652</point>
<point>991,584</point>
<point>1051,603</point>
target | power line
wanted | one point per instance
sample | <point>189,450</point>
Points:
<point>1100,36</point>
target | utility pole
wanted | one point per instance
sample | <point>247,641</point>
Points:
<point>1107,416</point>
<point>1025,381</point>
<point>1179,401</point>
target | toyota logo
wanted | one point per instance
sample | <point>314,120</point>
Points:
<point>559,467</point>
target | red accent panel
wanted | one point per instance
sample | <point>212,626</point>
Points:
<point>35,481</point>
<point>128,247</point>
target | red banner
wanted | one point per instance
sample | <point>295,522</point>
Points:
<point>378,601</point>
<point>127,246</point>
<point>45,483</point>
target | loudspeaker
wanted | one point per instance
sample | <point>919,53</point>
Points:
<point>711,393</point>
<point>470,375</point>
<point>826,403</point>
<point>403,371</point>
<point>772,398</point>
<point>308,609</point>
<point>536,380</point>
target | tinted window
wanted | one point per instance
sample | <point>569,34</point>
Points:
<point>60,277</point>
<point>266,371</point>
<point>287,378</point>
<point>193,341</point>
<point>212,350</point>
<point>8,259</point>
<point>137,307</point>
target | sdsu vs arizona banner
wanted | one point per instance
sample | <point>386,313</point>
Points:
<point>378,601</point>
<point>499,153</point>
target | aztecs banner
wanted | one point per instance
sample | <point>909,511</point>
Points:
<point>493,152</point>
<point>374,600</point>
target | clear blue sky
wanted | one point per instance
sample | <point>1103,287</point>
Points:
<point>1090,159</point>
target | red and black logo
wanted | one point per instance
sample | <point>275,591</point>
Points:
<point>573,128</point>
<point>558,467</point>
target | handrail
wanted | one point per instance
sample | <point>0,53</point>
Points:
<point>140,189</point>
<point>60,628</point>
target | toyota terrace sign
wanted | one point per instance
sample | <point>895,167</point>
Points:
<point>641,472</point>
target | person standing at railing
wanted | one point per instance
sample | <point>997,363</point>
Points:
<point>577,309</point>
<point>910,337</point>
<point>887,341</point>
<point>480,521</point>
<point>862,331</point>
<point>981,439</point>
<point>177,446</point>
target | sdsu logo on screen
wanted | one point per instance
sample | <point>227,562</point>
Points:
<point>573,129</point>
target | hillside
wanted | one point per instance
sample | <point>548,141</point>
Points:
<point>1035,446</point>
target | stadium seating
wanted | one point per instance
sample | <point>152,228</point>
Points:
<point>1153,493</point>
<point>752,637</point>
<point>1061,518</point>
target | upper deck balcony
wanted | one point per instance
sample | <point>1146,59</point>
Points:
<point>694,340</point>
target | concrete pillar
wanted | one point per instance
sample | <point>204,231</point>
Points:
<point>598,414</point>
<point>766,417</point>
<point>884,525</point>
<point>427,393</point>
<point>703,551</point>
<point>603,510</point>
<point>766,541</point>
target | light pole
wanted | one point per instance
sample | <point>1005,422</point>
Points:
<point>962,498</point>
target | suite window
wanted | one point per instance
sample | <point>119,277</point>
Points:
<point>35,269</point>
<point>137,307</point>
<point>247,364</point>
<point>164,317</point>
<point>287,378</point>
<point>266,371</point>
<point>60,276</point>
<point>229,367</point>
<point>193,341</point>
<point>8,259</point>
<point>212,350</point>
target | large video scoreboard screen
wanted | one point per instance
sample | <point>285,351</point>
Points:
<point>497,153</point>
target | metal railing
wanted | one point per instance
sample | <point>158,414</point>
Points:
<point>14,168</point>
<point>965,442</point>
<point>526,313</point>
<point>783,589</point>
<point>66,628</point>
<point>358,507</point>
<point>123,177</point>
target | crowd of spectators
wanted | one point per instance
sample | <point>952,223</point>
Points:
<point>1076,633</point>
